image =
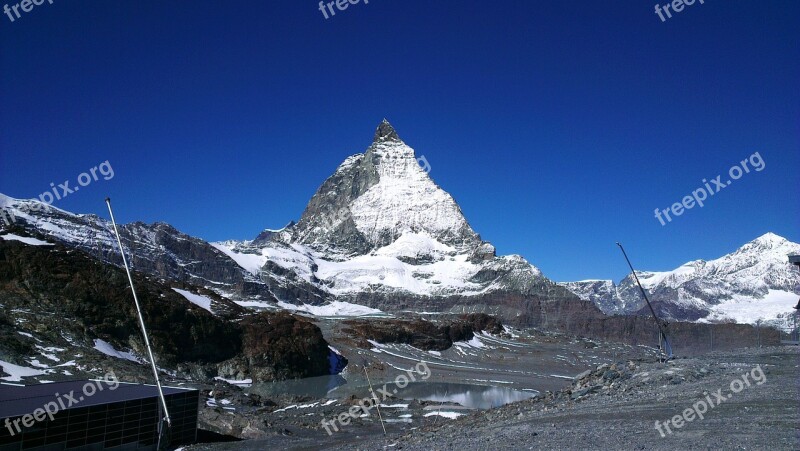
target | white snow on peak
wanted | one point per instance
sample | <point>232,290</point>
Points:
<point>754,282</point>
<point>405,199</point>
<point>5,200</point>
<point>770,239</point>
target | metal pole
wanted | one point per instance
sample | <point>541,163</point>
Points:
<point>377,402</point>
<point>139,313</point>
<point>758,332</point>
<point>658,322</point>
<point>711,328</point>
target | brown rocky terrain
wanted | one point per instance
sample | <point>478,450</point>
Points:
<point>420,333</point>
<point>56,297</point>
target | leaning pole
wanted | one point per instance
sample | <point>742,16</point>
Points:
<point>141,324</point>
<point>666,348</point>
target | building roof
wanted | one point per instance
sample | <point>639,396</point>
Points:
<point>16,400</point>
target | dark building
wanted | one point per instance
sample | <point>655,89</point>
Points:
<point>94,415</point>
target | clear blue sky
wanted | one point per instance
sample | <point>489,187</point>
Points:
<point>558,126</point>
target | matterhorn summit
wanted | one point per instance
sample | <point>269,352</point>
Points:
<point>379,197</point>
<point>380,226</point>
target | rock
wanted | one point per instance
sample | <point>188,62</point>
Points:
<point>585,391</point>
<point>582,375</point>
<point>610,375</point>
<point>420,333</point>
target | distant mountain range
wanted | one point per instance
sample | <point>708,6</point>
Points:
<point>379,234</point>
<point>755,282</point>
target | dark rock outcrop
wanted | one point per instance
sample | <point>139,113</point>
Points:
<point>422,334</point>
<point>63,298</point>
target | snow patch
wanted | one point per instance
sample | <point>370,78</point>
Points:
<point>16,372</point>
<point>235,381</point>
<point>449,415</point>
<point>748,310</point>
<point>335,308</point>
<point>251,263</point>
<point>25,239</point>
<point>106,348</point>
<point>196,299</point>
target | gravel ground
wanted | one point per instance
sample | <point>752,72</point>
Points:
<point>611,406</point>
<point>623,416</point>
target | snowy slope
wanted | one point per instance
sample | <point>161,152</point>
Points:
<point>384,270</point>
<point>201,301</point>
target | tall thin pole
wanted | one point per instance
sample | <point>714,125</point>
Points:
<point>644,294</point>
<point>377,402</point>
<point>758,331</point>
<point>139,314</point>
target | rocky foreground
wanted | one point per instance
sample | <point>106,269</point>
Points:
<point>617,406</point>
<point>748,399</point>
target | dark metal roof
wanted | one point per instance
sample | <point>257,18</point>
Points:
<point>18,400</point>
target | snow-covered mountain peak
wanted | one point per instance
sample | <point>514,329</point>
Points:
<point>776,244</point>
<point>374,198</point>
<point>380,226</point>
<point>770,238</point>
<point>406,200</point>
<point>5,200</point>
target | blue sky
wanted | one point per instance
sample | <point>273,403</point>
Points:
<point>558,126</point>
